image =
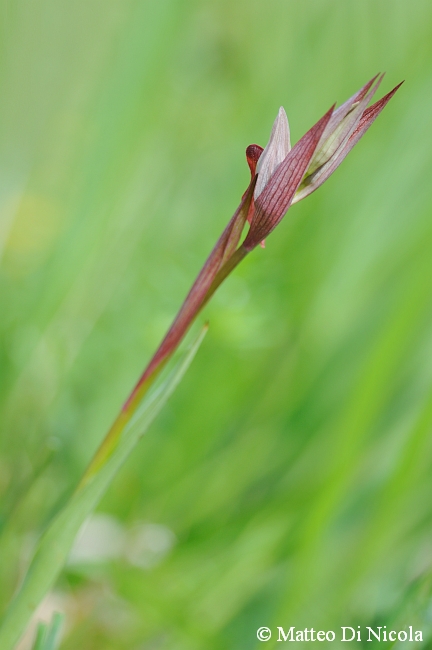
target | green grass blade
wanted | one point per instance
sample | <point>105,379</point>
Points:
<point>40,639</point>
<point>47,638</point>
<point>54,546</point>
<point>53,637</point>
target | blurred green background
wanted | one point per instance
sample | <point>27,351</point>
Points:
<point>289,479</point>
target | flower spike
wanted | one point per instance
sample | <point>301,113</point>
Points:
<point>280,176</point>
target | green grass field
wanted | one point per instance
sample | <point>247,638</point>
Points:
<point>288,482</point>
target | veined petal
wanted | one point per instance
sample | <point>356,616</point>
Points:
<point>275,152</point>
<point>277,195</point>
<point>322,174</point>
<point>343,122</point>
<point>340,113</point>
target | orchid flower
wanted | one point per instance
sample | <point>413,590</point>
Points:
<point>280,176</point>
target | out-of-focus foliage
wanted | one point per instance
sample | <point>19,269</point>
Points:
<point>288,481</point>
<point>47,635</point>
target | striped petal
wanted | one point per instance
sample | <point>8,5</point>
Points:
<point>316,179</point>
<point>275,152</point>
<point>278,193</point>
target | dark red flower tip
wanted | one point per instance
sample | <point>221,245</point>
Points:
<point>373,111</point>
<point>253,153</point>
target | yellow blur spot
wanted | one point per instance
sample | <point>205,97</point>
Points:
<point>31,225</point>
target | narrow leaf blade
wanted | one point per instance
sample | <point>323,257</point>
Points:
<point>54,546</point>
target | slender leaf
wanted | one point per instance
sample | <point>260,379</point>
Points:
<point>48,637</point>
<point>54,546</point>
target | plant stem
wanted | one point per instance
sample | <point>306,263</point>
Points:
<point>114,434</point>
